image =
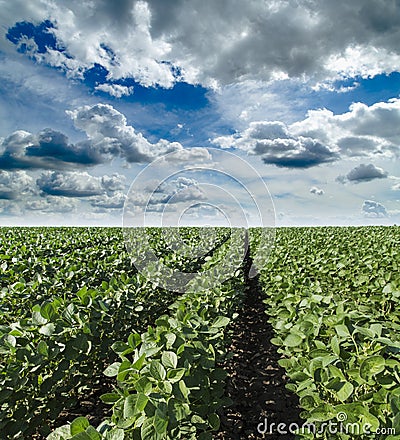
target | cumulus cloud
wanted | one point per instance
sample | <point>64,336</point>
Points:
<point>373,209</point>
<point>317,191</point>
<point>115,201</point>
<point>363,131</point>
<point>52,205</point>
<point>115,90</point>
<point>115,182</point>
<point>212,42</point>
<point>49,149</point>
<point>69,184</point>
<point>178,190</point>
<point>79,184</point>
<point>108,136</point>
<point>363,173</point>
<point>276,145</point>
<point>108,131</point>
<point>13,185</point>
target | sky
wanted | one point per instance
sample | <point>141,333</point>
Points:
<point>200,112</point>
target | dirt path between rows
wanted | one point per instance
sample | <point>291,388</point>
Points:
<point>256,382</point>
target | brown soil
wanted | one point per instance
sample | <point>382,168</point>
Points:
<point>256,382</point>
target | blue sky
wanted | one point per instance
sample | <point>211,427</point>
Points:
<point>307,93</point>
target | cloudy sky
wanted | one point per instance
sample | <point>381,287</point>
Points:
<point>305,91</point>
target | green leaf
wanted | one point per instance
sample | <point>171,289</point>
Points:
<point>134,339</point>
<point>129,406</point>
<point>147,430</point>
<point>395,404</point>
<point>138,364</point>
<point>345,391</point>
<point>79,425</point>
<point>342,330</point>
<point>396,423</point>
<point>141,402</point>
<point>110,397</point>
<point>120,347</point>
<point>115,434</point>
<point>335,345</point>
<point>176,374</point>
<point>371,366</point>
<point>43,349</point>
<point>214,421</point>
<point>157,370</point>
<point>169,359</point>
<point>47,329</point>
<point>143,385</point>
<point>61,433</point>
<point>292,340</point>
<point>112,370</point>
<point>37,318</point>
<point>92,433</point>
<point>221,321</point>
<point>170,338</point>
<point>160,422</point>
<point>183,389</point>
<point>47,311</point>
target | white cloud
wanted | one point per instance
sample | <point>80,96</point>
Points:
<point>115,90</point>
<point>317,191</point>
<point>79,184</point>
<point>274,143</point>
<point>363,131</point>
<point>217,42</point>
<point>178,190</point>
<point>15,184</point>
<point>364,173</point>
<point>115,182</point>
<point>53,205</point>
<point>115,201</point>
<point>69,184</point>
<point>108,132</point>
<point>373,209</point>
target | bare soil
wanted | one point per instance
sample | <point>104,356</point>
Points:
<point>256,382</point>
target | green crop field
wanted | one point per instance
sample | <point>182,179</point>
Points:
<point>78,320</point>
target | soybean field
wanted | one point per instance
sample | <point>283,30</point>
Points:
<point>94,347</point>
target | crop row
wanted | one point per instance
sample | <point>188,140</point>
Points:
<point>333,297</point>
<point>168,384</point>
<point>68,295</point>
